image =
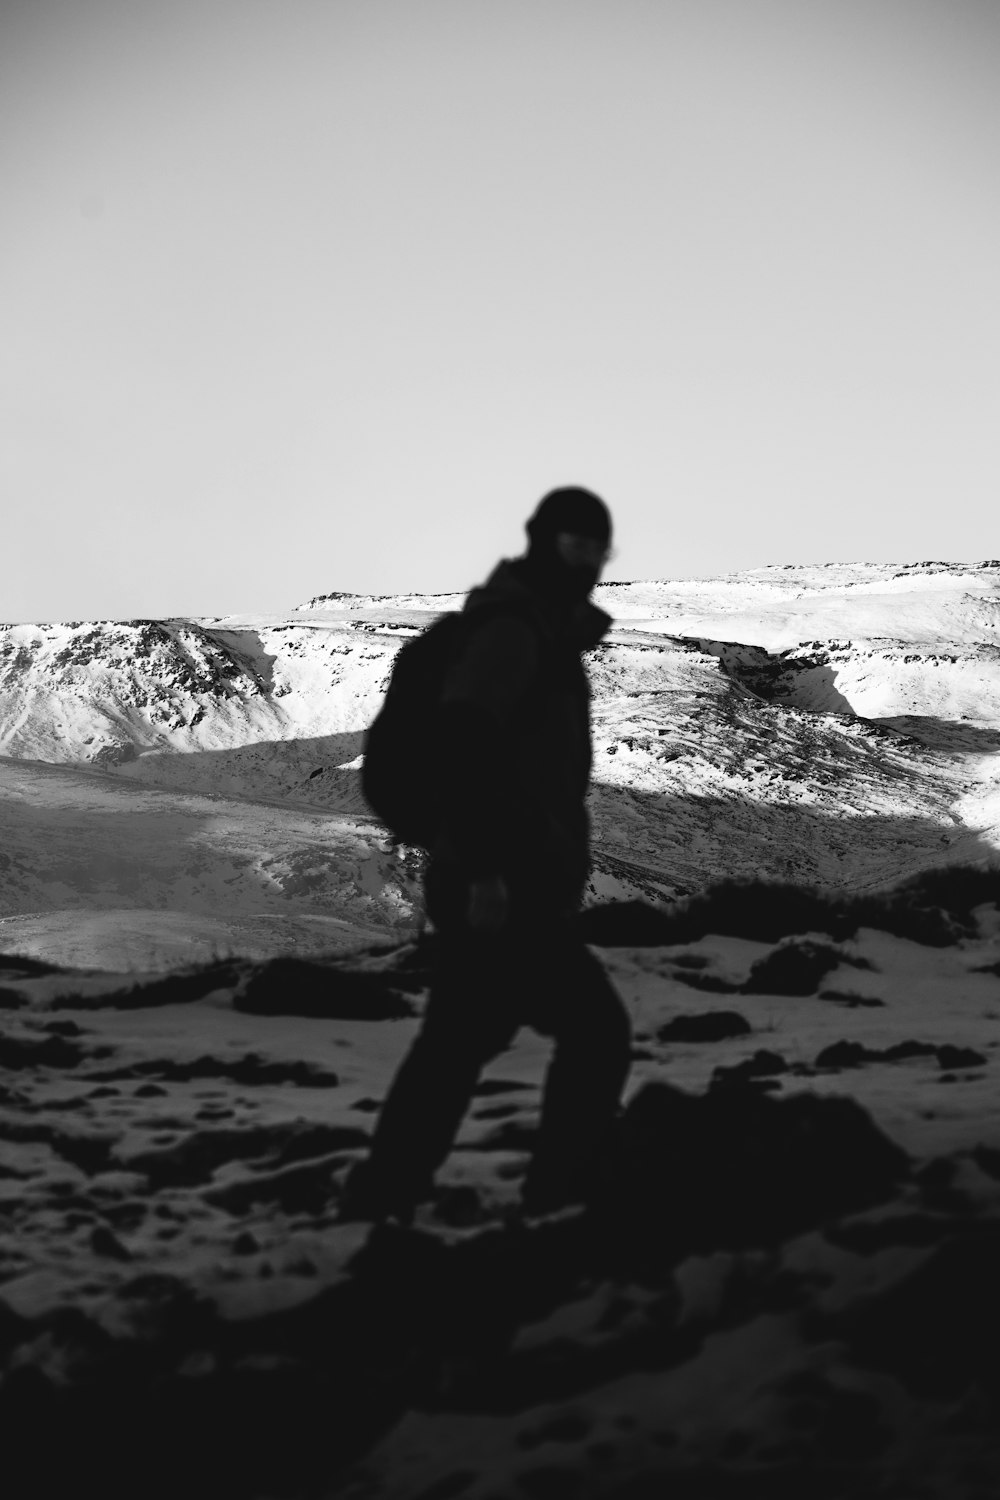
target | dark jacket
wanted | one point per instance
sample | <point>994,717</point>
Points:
<point>517,735</point>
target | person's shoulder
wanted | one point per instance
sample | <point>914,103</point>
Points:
<point>504,601</point>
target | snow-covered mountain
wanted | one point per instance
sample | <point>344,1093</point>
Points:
<point>195,782</point>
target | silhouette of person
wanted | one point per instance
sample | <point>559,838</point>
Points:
<point>505,881</point>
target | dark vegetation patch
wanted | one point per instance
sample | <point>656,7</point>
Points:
<point>369,985</point>
<point>251,1068</point>
<point>709,1026</point>
<point>629,924</point>
<point>196,1157</point>
<point>709,984</point>
<point>796,967</point>
<point>934,908</point>
<point>18,966</point>
<point>90,1152</point>
<point>851,1001</point>
<point>300,1187</point>
<point>19,1051</point>
<point>180,987</point>
<point>104,1242</point>
<point>498,1112</point>
<point>511,1135</point>
<point>300,987</point>
<point>854,1054</point>
<point>461,1206</point>
<point>759,1069</point>
<point>691,960</point>
<point>869,1236</point>
<point>488,1086</point>
<point>409,967</point>
<point>193,1158</point>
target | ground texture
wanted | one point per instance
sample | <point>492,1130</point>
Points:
<point>786,1285</point>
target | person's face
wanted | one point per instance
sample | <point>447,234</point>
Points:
<point>583,553</point>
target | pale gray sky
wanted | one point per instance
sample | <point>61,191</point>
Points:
<point>300,295</point>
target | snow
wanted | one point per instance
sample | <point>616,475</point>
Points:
<point>834,724</point>
<point>110,870</point>
<point>180,1309</point>
<point>184,1154</point>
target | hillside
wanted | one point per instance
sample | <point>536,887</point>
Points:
<point>785,1284</point>
<point>835,724</point>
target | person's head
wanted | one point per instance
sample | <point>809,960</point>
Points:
<point>569,538</point>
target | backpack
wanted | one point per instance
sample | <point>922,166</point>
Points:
<point>402,769</point>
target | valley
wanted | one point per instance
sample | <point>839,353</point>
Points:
<point>178,789</point>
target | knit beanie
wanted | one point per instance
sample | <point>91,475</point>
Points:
<point>573,510</point>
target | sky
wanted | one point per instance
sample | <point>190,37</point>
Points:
<point>305,295</point>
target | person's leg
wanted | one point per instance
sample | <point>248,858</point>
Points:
<point>577,1004</point>
<point>467,1022</point>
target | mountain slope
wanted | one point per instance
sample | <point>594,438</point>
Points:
<point>835,724</point>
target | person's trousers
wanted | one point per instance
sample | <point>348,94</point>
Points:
<point>483,990</point>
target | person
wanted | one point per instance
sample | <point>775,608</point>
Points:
<point>505,881</point>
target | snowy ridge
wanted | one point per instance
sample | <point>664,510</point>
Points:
<point>105,692</point>
<point>833,724</point>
